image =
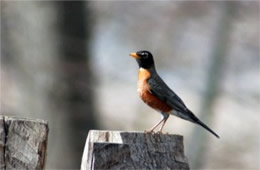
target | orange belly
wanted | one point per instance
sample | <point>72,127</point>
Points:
<point>146,95</point>
<point>154,102</point>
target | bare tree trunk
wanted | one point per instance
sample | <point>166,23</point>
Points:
<point>53,81</point>
<point>75,75</point>
<point>197,147</point>
<point>133,150</point>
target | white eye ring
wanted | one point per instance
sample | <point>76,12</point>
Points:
<point>145,55</point>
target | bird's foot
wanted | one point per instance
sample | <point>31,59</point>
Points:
<point>149,131</point>
<point>160,132</point>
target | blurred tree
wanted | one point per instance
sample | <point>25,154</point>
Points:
<point>76,97</point>
<point>197,147</point>
<point>45,72</point>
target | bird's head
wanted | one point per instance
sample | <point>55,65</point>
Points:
<point>144,59</point>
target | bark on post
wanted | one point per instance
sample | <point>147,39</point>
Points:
<point>23,143</point>
<point>133,150</point>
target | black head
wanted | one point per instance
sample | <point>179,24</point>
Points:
<point>144,59</point>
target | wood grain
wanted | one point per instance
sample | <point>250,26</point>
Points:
<point>133,150</point>
<point>23,143</point>
<point>2,143</point>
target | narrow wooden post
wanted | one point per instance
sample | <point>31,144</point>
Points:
<point>133,150</point>
<point>2,143</point>
<point>23,143</point>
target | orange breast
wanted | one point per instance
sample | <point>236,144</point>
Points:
<point>146,95</point>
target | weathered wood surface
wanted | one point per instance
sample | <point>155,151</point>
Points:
<point>23,143</point>
<point>133,150</point>
<point>2,143</point>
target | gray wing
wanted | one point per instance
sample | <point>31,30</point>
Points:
<point>159,88</point>
<point>164,93</point>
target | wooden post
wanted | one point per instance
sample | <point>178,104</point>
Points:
<point>23,143</point>
<point>133,150</point>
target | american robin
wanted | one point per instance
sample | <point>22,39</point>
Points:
<point>155,93</point>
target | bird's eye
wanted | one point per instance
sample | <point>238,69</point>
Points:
<point>145,55</point>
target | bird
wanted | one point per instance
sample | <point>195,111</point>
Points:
<point>157,94</point>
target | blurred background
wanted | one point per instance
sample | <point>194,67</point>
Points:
<point>68,63</point>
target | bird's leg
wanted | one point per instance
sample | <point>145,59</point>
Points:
<point>166,116</point>
<point>155,126</point>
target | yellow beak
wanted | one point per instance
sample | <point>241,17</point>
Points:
<point>134,55</point>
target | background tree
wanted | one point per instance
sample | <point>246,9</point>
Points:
<point>75,74</point>
<point>45,72</point>
<point>198,142</point>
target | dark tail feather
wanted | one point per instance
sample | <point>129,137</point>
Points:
<point>206,127</point>
<point>194,119</point>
